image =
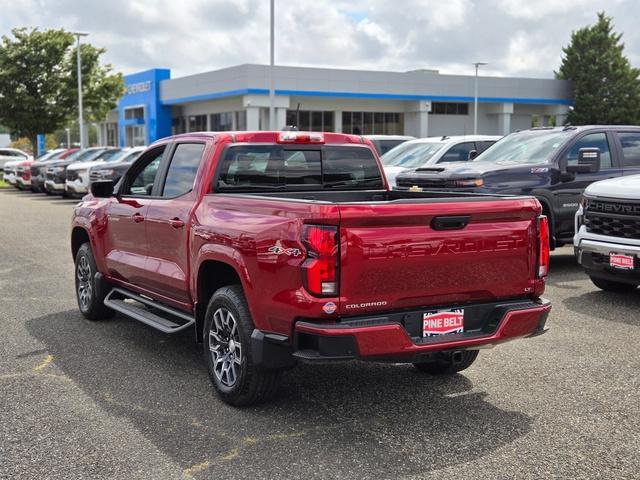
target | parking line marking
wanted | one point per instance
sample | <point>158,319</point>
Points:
<point>45,363</point>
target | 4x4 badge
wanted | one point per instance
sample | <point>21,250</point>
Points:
<point>286,251</point>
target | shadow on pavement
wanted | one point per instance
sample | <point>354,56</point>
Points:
<point>563,267</point>
<point>357,420</point>
<point>610,306</point>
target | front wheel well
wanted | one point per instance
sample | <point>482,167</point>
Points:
<point>79,236</point>
<point>212,275</point>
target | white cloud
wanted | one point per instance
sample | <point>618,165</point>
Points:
<point>517,37</point>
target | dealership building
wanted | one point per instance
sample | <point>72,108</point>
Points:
<point>420,103</point>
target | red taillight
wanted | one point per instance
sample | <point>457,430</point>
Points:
<point>543,246</point>
<point>300,137</point>
<point>320,269</point>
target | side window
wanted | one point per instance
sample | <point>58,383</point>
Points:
<point>182,169</point>
<point>630,148</point>
<point>593,140</point>
<point>144,174</point>
<point>482,146</point>
<point>458,153</point>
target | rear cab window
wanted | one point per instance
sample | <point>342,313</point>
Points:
<point>294,167</point>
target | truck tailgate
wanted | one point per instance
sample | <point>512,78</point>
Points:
<point>395,256</point>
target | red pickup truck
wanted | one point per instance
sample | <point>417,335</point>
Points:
<point>286,247</point>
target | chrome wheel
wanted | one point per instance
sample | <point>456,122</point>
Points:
<point>85,288</point>
<point>226,349</point>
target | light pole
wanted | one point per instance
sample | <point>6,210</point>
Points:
<point>68,137</point>
<point>79,62</point>
<point>272,119</point>
<point>475,97</point>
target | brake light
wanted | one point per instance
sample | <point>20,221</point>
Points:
<point>300,137</point>
<point>320,269</point>
<point>543,246</point>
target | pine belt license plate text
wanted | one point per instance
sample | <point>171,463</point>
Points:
<point>619,260</point>
<point>442,322</point>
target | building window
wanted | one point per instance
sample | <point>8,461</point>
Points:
<point>241,120</point>
<point>112,134</point>
<point>221,122</point>
<point>178,125</point>
<point>316,121</point>
<point>373,123</point>
<point>197,123</point>
<point>449,108</point>
<point>134,113</point>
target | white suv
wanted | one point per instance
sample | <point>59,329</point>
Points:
<point>607,239</point>
<point>419,153</point>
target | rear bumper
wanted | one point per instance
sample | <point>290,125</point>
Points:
<point>386,338</point>
<point>398,336</point>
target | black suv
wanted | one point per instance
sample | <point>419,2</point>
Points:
<point>555,164</point>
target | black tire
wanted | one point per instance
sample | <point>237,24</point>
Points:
<point>89,293</point>
<point>447,366</point>
<point>611,286</point>
<point>242,383</point>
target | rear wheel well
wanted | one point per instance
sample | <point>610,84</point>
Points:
<point>78,236</point>
<point>212,275</point>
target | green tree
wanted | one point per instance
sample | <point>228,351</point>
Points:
<point>606,88</point>
<point>101,88</point>
<point>38,82</point>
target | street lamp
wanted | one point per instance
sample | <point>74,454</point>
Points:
<point>80,119</point>
<point>272,120</point>
<point>475,98</point>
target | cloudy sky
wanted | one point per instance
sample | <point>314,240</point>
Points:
<point>517,37</point>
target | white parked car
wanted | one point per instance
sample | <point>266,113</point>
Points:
<point>607,239</point>
<point>384,143</point>
<point>12,154</point>
<point>77,182</point>
<point>429,151</point>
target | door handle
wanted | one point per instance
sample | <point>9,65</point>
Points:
<point>457,222</point>
<point>176,223</point>
<point>137,217</point>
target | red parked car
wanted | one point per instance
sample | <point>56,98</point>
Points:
<point>286,247</point>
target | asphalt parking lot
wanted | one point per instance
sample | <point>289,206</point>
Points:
<point>117,399</point>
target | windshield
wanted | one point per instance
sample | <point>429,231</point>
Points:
<point>50,155</point>
<point>273,167</point>
<point>110,155</point>
<point>384,146</point>
<point>89,155</point>
<point>411,155</point>
<point>530,147</point>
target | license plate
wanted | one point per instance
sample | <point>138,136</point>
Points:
<point>442,322</point>
<point>618,260</point>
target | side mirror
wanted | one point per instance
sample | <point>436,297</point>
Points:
<point>588,161</point>
<point>102,189</point>
<point>472,154</point>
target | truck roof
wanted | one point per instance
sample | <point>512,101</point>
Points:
<point>272,137</point>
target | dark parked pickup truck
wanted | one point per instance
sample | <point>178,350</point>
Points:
<point>285,247</point>
<point>554,164</point>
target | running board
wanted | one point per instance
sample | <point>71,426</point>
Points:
<point>145,316</point>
